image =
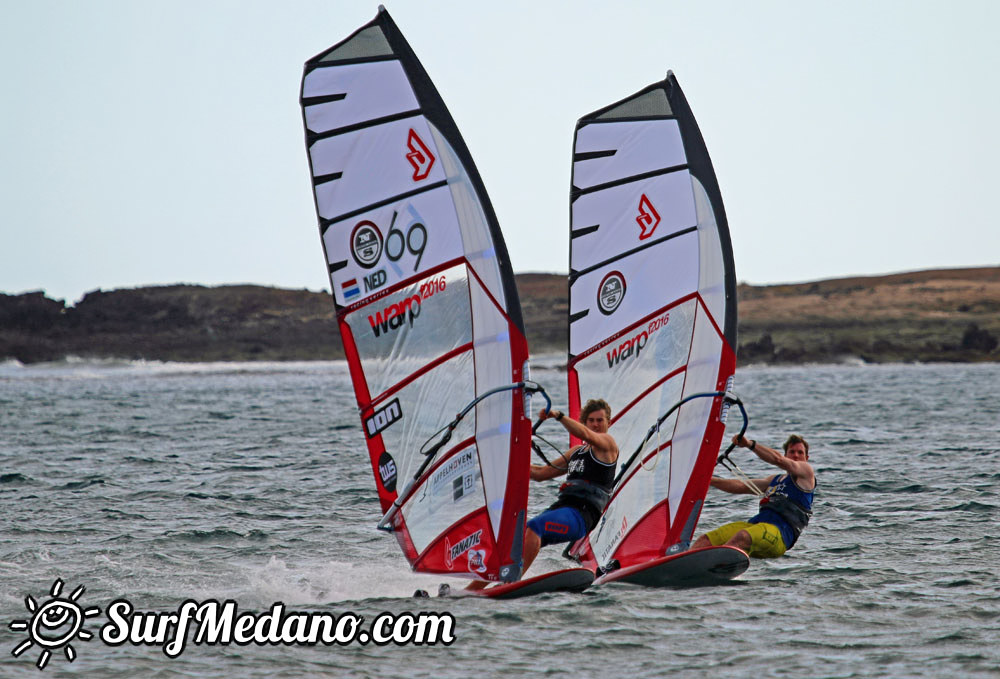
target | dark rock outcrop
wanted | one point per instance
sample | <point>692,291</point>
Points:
<point>948,315</point>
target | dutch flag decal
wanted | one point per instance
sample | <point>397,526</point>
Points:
<point>350,288</point>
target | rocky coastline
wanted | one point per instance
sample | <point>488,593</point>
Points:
<point>950,315</point>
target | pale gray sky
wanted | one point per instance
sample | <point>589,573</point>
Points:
<point>161,142</point>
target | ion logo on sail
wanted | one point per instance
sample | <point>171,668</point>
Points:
<point>366,244</point>
<point>383,418</point>
<point>648,218</point>
<point>419,156</point>
<point>610,293</point>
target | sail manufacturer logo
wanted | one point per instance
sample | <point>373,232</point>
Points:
<point>420,156</point>
<point>632,347</point>
<point>611,292</point>
<point>452,552</point>
<point>610,547</point>
<point>394,316</point>
<point>627,349</point>
<point>648,218</point>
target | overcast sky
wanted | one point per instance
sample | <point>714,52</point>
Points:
<point>154,143</point>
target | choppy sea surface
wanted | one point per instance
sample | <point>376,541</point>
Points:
<point>159,483</point>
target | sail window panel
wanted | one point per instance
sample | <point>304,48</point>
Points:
<point>493,415</point>
<point>623,369</point>
<point>647,483</point>
<point>399,334</point>
<point>653,103</point>
<point>693,416</point>
<point>630,216</point>
<point>369,91</point>
<point>428,404</point>
<point>640,146</point>
<point>712,276</point>
<point>386,160</point>
<point>632,426</point>
<point>628,508</point>
<point>476,236</point>
<point>375,250</point>
<point>450,493</point>
<point>666,271</point>
<point>365,44</point>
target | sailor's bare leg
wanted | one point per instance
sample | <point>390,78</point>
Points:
<point>532,544</point>
<point>742,540</point>
<point>703,541</point>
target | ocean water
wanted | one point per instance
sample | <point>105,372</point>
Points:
<point>160,483</point>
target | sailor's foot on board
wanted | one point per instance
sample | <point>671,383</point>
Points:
<point>444,589</point>
<point>610,566</point>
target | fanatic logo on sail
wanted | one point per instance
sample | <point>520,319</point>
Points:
<point>648,218</point>
<point>420,156</point>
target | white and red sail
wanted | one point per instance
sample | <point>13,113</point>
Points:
<point>428,311</point>
<point>652,313</point>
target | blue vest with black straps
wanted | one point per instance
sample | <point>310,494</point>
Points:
<point>786,506</point>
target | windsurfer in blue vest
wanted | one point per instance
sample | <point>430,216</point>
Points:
<point>590,469</point>
<point>785,508</point>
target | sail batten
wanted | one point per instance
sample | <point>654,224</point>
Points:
<point>426,303</point>
<point>653,311</point>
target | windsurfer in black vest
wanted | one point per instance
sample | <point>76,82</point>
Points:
<point>785,507</point>
<point>591,474</point>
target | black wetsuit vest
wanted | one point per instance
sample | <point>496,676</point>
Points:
<point>588,485</point>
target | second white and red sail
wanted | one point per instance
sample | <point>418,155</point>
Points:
<point>652,314</point>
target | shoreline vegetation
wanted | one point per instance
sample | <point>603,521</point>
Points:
<point>945,315</point>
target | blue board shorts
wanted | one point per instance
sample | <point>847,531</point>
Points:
<point>559,525</point>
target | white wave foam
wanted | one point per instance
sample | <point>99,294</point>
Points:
<point>331,582</point>
<point>75,367</point>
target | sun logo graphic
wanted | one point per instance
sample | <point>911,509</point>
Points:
<point>55,624</point>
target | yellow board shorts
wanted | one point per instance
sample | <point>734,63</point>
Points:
<point>766,542</point>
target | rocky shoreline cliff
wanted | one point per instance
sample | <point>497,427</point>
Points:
<point>943,315</point>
